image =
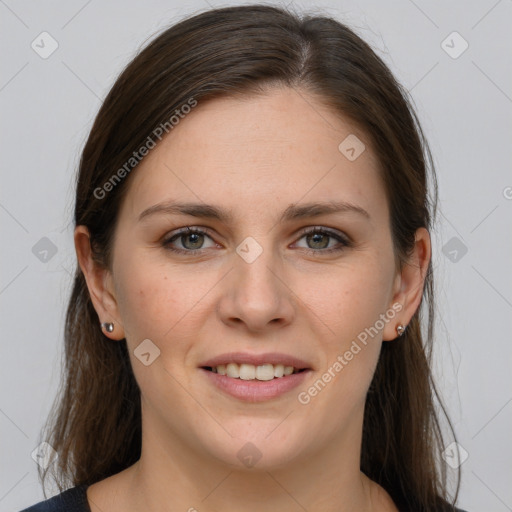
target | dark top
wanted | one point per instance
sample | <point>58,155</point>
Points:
<point>74,500</point>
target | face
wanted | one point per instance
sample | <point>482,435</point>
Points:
<point>262,278</point>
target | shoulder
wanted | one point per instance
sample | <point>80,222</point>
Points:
<point>71,500</point>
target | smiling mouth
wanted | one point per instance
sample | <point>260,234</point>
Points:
<point>263,372</point>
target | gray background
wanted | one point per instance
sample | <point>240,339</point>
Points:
<point>465,103</point>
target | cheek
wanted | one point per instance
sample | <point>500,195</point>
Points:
<point>148,303</point>
<point>161,303</point>
<point>348,299</point>
<point>158,304</point>
<point>349,304</point>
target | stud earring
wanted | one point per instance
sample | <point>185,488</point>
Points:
<point>400,329</point>
<point>108,326</point>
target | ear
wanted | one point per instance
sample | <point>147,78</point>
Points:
<point>100,284</point>
<point>409,284</point>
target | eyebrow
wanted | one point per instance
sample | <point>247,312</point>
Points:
<point>292,212</point>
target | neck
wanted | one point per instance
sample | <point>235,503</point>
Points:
<point>207,489</point>
<point>178,477</point>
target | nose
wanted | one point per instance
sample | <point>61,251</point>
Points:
<point>256,295</point>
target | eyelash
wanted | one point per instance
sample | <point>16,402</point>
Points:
<point>344,241</point>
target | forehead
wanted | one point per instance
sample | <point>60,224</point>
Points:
<point>259,152</point>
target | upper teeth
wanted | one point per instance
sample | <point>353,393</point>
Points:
<point>249,371</point>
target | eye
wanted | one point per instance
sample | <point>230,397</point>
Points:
<point>322,240</point>
<point>191,239</point>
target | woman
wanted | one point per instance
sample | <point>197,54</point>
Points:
<point>244,327</point>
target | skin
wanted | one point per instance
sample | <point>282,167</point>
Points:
<point>253,156</point>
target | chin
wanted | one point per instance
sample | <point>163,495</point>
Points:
<point>256,445</point>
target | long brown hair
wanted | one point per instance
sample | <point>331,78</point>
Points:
<point>95,423</point>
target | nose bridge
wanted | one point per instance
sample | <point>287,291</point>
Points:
<point>254,271</point>
<point>258,294</point>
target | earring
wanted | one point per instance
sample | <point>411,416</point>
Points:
<point>108,326</point>
<point>400,329</point>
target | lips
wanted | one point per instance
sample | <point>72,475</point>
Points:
<point>255,377</point>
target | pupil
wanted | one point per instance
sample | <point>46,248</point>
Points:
<point>195,239</point>
<point>317,239</point>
